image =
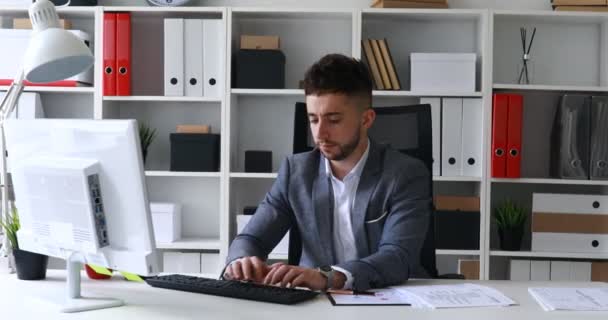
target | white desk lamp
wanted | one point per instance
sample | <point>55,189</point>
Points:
<point>53,54</point>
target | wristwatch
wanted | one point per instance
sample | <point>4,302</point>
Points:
<point>328,273</point>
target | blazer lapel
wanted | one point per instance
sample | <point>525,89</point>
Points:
<point>323,204</point>
<point>365,189</point>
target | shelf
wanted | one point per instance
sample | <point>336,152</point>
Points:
<point>457,179</point>
<point>72,12</point>
<point>552,181</point>
<point>396,93</point>
<point>292,13</point>
<point>547,16</point>
<point>375,93</point>
<point>163,10</point>
<point>250,175</point>
<point>274,176</point>
<point>443,252</point>
<point>182,174</point>
<point>537,254</point>
<point>425,13</point>
<point>191,244</point>
<point>268,92</point>
<point>161,99</point>
<point>42,89</point>
<point>533,87</point>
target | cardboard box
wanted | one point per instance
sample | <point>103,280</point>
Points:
<point>260,42</point>
<point>469,269</point>
<point>599,271</point>
<point>193,128</point>
<point>25,23</point>
<point>580,2</point>
<point>453,203</point>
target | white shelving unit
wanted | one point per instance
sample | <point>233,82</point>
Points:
<point>569,55</point>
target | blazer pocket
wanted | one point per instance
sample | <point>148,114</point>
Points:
<point>377,219</point>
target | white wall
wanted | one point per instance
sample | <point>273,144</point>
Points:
<point>495,4</point>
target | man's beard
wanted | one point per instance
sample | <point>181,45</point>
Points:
<point>345,149</point>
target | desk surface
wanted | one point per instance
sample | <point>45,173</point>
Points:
<point>18,301</point>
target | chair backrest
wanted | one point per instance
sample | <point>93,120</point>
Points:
<point>407,129</point>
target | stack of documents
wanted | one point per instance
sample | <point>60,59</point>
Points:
<point>385,297</point>
<point>578,299</point>
<point>456,296</point>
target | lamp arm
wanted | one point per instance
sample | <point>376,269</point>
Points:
<point>6,107</point>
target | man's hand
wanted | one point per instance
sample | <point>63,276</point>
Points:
<point>248,269</point>
<point>293,276</point>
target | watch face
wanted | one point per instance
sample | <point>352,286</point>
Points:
<point>325,268</point>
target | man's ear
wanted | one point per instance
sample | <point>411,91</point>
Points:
<point>369,115</point>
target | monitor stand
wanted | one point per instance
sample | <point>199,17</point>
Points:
<point>74,302</point>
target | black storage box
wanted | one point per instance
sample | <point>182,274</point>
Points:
<point>258,161</point>
<point>457,230</point>
<point>249,210</point>
<point>195,152</point>
<point>259,69</point>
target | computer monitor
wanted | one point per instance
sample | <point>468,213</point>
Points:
<point>81,196</point>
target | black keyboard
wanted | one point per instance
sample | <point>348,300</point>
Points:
<point>232,289</point>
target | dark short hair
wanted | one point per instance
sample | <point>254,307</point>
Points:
<point>337,73</point>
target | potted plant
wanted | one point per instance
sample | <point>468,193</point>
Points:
<point>29,265</point>
<point>510,219</point>
<point>146,136</point>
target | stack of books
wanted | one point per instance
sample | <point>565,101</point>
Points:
<point>381,65</point>
<point>410,4</point>
<point>580,5</point>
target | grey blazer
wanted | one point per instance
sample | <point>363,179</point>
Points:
<point>390,216</point>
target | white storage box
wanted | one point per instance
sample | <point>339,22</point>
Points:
<point>443,72</point>
<point>14,45</point>
<point>570,223</point>
<point>279,252</point>
<point>166,220</point>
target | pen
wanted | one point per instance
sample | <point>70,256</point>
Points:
<point>351,292</point>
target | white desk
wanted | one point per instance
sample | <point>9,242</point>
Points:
<point>147,303</point>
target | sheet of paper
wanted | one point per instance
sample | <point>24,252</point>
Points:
<point>456,296</point>
<point>578,299</point>
<point>382,297</point>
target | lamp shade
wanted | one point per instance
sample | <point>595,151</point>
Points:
<point>55,54</point>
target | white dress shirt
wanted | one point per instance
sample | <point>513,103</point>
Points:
<point>345,191</point>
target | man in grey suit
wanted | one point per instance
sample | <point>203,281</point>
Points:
<point>363,209</point>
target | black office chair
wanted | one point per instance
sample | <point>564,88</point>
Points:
<point>414,117</point>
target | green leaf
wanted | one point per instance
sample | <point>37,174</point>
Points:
<point>509,215</point>
<point>146,135</point>
<point>11,225</point>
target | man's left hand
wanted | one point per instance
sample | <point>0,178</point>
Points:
<point>294,276</point>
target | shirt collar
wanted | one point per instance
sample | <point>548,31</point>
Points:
<point>357,170</point>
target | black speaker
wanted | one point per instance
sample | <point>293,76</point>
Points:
<point>195,152</point>
<point>258,161</point>
<point>259,69</point>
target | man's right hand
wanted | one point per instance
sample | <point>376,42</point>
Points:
<point>248,269</point>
